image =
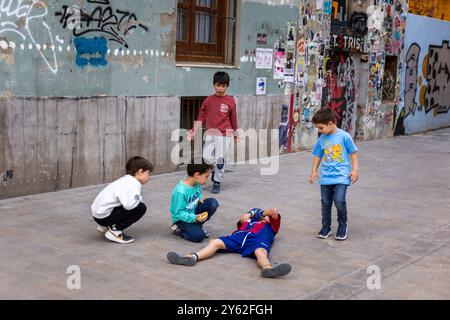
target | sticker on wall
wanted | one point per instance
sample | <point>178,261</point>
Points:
<point>264,58</point>
<point>279,63</point>
<point>261,86</point>
<point>319,4</point>
<point>261,38</point>
<point>289,71</point>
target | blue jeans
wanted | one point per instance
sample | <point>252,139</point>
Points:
<point>336,193</point>
<point>194,231</point>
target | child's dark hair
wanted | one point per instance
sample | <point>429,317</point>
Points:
<point>324,116</point>
<point>221,77</point>
<point>134,164</point>
<point>200,168</point>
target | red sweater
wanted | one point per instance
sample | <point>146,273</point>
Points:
<point>219,113</point>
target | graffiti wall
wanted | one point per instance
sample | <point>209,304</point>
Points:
<point>387,24</point>
<point>439,9</point>
<point>119,48</point>
<point>426,76</point>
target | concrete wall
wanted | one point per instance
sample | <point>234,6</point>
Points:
<point>50,144</point>
<point>426,76</point>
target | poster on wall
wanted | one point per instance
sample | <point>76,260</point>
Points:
<point>289,71</point>
<point>261,86</point>
<point>264,58</point>
<point>290,52</point>
<point>279,63</point>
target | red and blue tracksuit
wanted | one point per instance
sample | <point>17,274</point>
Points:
<point>251,235</point>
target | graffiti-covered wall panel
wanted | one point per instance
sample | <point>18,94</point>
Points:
<point>119,48</point>
<point>426,75</point>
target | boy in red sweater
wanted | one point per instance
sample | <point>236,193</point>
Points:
<point>218,112</point>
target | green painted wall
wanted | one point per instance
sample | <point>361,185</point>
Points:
<point>38,56</point>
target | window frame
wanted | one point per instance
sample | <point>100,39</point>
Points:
<point>190,51</point>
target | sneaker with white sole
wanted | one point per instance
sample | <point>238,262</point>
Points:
<point>341,233</point>
<point>102,229</point>
<point>176,229</point>
<point>216,188</point>
<point>118,236</point>
<point>324,233</point>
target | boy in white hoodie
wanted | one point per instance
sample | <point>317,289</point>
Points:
<point>119,204</point>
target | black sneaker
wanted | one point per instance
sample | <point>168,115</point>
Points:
<point>341,233</point>
<point>324,233</point>
<point>206,233</point>
<point>216,187</point>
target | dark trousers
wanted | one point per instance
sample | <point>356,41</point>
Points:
<point>334,193</point>
<point>194,231</point>
<point>122,218</point>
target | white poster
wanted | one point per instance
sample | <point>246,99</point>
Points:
<point>319,4</point>
<point>264,58</point>
<point>261,86</point>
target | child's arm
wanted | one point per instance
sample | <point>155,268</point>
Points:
<point>272,213</point>
<point>234,123</point>
<point>274,218</point>
<point>199,123</point>
<point>354,174</point>
<point>129,196</point>
<point>178,209</point>
<point>314,169</point>
<point>244,218</point>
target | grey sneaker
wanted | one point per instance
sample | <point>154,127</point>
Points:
<point>216,188</point>
<point>175,258</point>
<point>277,271</point>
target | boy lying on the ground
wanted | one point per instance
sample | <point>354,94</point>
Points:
<point>254,238</point>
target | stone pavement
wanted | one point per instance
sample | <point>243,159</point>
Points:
<point>399,222</point>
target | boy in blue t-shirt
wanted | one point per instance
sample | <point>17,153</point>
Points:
<point>337,149</point>
<point>255,234</point>
<point>188,210</point>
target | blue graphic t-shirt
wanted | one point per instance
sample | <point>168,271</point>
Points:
<point>184,201</point>
<point>335,150</point>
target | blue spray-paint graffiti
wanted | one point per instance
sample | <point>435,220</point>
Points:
<point>91,51</point>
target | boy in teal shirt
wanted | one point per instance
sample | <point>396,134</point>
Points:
<point>188,210</point>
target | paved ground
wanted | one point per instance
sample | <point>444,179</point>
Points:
<point>399,220</point>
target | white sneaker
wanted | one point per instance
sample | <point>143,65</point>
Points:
<point>102,229</point>
<point>118,236</point>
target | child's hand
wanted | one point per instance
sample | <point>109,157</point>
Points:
<point>354,176</point>
<point>236,139</point>
<point>202,216</point>
<point>312,177</point>
<point>190,135</point>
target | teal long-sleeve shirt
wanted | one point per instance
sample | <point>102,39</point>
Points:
<point>184,201</point>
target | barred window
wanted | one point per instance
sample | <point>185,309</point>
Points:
<point>205,30</point>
